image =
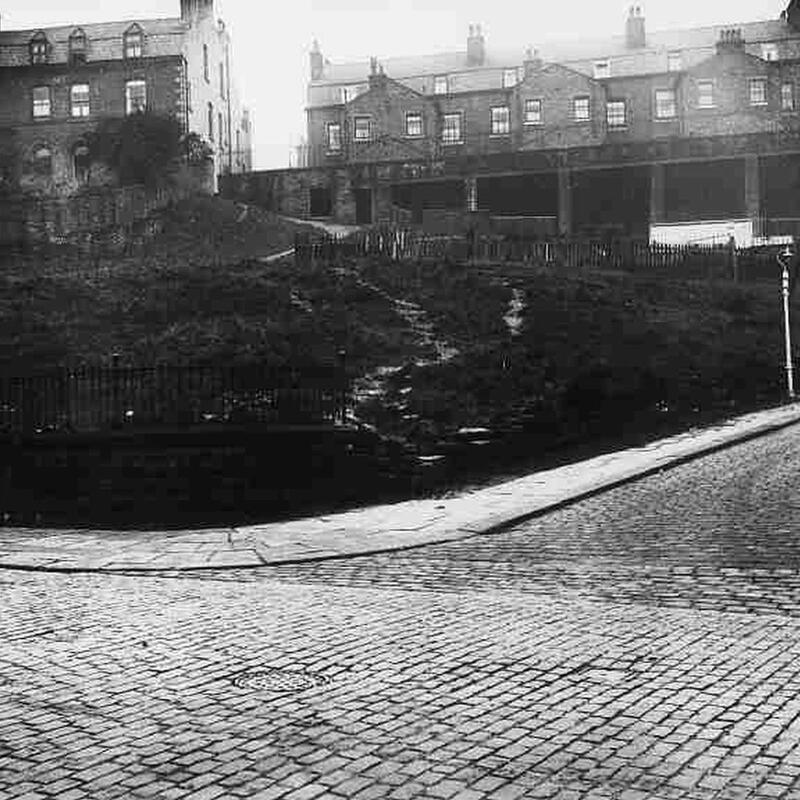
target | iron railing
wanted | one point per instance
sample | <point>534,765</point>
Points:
<point>92,398</point>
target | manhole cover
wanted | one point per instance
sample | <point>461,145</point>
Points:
<point>273,679</point>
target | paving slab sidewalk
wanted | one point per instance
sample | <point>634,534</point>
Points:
<point>375,529</point>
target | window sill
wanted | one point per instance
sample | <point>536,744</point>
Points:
<point>452,144</point>
<point>500,135</point>
<point>665,119</point>
<point>533,124</point>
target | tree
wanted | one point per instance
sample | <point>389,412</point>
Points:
<point>9,164</point>
<point>140,148</point>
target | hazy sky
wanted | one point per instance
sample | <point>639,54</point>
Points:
<point>271,39</point>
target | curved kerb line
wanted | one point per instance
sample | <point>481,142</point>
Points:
<point>499,527</point>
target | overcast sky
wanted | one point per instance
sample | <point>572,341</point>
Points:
<point>271,39</point>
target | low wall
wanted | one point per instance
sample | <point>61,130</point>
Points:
<point>107,212</point>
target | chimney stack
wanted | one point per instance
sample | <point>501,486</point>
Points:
<point>316,61</point>
<point>377,77</point>
<point>193,10</point>
<point>730,41</point>
<point>532,63</point>
<point>635,34</point>
<point>791,14</point>
<point>476,47</point>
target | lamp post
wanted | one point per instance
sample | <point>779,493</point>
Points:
<point>783,259</point>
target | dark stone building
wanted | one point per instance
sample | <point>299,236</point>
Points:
<point>56,83</point>
<point>628,136</point>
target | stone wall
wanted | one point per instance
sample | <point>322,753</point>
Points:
<point>111,213</point>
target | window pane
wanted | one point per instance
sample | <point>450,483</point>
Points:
<point>38,50</point>
<point>361,129</point>
<point>440,84</point>
<point>665,104</point>
<point>501,123</point>
<point>533,112</point>
<point>787,97</point>
<point>581,108</point>
<point>414,124</point>
<point>602,69</point>
<point>79,100</point>
<point>769,51</point>
<point>509,78</point>
<point>758,92</point>
<point>41,101</point>
<point>674,62</point>
<point>615,113</point>
<point>705,94</point>
<point>334,137</point>
<point>135,97</point>
<point>451,128</point>
<point>133,44</point>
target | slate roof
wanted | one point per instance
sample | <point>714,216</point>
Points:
<point>104,40</point>
<point>696,44</point>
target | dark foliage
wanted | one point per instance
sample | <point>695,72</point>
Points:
<point>140,148</point>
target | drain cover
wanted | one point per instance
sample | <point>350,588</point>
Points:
<point>273,679</point>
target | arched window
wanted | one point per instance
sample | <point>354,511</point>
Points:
<point>77,46</point>
<point>39,48</point>
<point>134,42</point>
<point>42,161</point>
<point>81,162</point>
<point>210,112</point>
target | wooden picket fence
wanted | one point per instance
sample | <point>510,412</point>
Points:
<point>399,244</point>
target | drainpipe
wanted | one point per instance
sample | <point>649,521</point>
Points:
<point>228,96</point>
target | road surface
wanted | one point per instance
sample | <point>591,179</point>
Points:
<point>641,645</point>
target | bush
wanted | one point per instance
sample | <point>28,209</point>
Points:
<point>140,148</point>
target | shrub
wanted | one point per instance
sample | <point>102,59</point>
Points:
<point>140,148</point>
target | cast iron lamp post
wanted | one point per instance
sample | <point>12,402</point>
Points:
<point>783,259</point>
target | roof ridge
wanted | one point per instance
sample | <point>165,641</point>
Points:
<point>103,24</point>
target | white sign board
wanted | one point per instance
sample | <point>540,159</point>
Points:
<point>704,233</point>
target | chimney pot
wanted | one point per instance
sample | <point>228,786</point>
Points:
<point>635,32</point>
<point>476,48</point>
<point>316,61</point>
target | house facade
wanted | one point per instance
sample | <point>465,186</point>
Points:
<point>57,83</point>
<point>626,135</point>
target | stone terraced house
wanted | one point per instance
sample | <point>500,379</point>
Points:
<point>628,135</point>
<point>56,83</point>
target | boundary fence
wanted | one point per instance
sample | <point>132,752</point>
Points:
<point>397,244</point>
<point>97,398</point>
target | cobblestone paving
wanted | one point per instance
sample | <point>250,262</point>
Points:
<point>643,644</point>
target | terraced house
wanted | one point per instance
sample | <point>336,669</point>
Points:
<point>56,83</point>
<point>633,135</point>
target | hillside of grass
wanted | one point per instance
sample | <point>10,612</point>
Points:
<point>600,358</point>
<point>198,291</point>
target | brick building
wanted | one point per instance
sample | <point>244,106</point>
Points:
<point>56,83</point>
<point>628,135</point>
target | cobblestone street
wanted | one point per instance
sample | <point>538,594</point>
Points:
<point>643,644</point>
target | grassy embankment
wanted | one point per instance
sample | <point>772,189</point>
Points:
<point>602,358</point>
<point>196,292</point>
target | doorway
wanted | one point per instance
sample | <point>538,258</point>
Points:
<point>363,206</point>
